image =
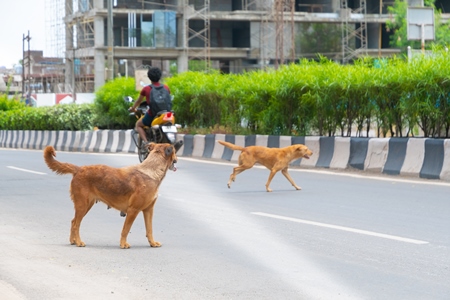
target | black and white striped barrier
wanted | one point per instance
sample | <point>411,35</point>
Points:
<point>81,141</point>
<point>422,157</point>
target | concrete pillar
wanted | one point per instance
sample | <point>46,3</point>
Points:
<point>99,42</point>
<point>182,62</point>
<point>69,76</point>
<point>182,59</point>
<point>100,72</point>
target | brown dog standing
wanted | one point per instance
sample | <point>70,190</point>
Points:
<point>274,159</point>
<point>129,189</point>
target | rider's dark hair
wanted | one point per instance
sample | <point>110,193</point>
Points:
<point>154,74</point>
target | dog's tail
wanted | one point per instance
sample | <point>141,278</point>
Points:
<point>56,166</point>
<point>231,146</point>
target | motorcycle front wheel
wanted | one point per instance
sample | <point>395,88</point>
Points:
<point>142,150</point>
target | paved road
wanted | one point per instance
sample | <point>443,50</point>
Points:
<point>344,236</point>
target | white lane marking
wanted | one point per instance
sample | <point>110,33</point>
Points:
<point>25,170</point>
<point>354,230</point>
<point>344,172</point>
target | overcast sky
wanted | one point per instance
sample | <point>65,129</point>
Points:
<point>16,18</point>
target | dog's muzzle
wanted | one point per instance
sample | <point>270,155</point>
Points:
<point>172,167</point>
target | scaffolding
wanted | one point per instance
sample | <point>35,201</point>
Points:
<point>276,34</point>
<point>284,27</point>
<point>55,45</point>
<point>55,28</point>
<point>69,41</point>
<point>203,34</point>
<point>80,31</point>
<point>273,25</point>
<point>354,35</point>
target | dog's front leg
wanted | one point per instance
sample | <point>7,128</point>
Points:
<point>131,216</point>
<point>288,177</point>
<point>272,173</point>
<point>148,218</point>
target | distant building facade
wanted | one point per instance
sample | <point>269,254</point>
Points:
<point>233,36</point>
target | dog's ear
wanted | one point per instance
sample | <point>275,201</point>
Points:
<point>151,146</point>
<point>168,151</point>
<point>178,145</point>
<point>301,148</point>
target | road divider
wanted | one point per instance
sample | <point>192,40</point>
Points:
<point>415,157</point>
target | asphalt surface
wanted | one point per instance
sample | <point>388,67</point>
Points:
<point>343,236</point>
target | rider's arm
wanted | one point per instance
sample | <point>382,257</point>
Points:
<point>137,103</point>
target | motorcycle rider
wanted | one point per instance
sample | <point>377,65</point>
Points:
<point>154,74</point>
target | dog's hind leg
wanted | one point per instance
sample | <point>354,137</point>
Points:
<point>237,170</point>
<point>288,177</point>
<point>80,212</point>
<point>244,163</point>
<point>129,219</point>
<point>148,218</point>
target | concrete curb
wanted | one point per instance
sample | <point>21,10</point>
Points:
<point>341,153</point>
<point>396,155</point>
<point>419,157</point>
<point>433,159</point>
<point>377,153</point>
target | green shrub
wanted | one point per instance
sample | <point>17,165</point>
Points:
<point>110,109</point>
<point>57,117</point>
<point>395,96</point>
<point>10,104</point>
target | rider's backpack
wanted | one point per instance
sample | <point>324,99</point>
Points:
<point>159,99</point>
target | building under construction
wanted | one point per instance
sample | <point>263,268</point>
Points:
<point>102,39</point>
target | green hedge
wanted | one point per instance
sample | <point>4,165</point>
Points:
<point>109,111</point>
<point>58,117</point>
<point>391,96</point>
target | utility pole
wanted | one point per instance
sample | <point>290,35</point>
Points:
<point>25,38</point>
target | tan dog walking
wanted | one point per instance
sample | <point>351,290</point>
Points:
<point>274,159</point>
<point>129,189</point>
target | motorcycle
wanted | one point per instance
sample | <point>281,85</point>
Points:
<point>162,130</point>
